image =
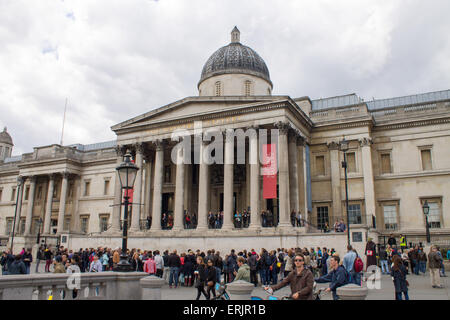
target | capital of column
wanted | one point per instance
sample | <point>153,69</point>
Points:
<point>159,144</point>
<point>120,150</point>
<point>333,145</point>
<point>365,142</point>
<point>300,141</point>
<point>139,147</point>
<point>65,174</point>
<point>32,178</point>
<point>283,127</point>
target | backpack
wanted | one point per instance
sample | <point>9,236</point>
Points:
<point>268,260</point>
<point>358,265</point>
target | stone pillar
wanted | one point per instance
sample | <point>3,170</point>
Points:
<point>335,180</point>
<point>48,207</point>
<point>203,188</point>
<point>293,172</point>
<point>30,206</point>
<point>255,217</point>
<point>136,216</point>
<point>151,287</point>
<point>115,221</point>
<point>62,202</point>
<point>283,175</point>
<point>148,184</point>
<point>240,290</point>
<point>228,181</point>
<point>179,192</point>
<point>76,223</point>
<point>157,186</point>
<point>305,180</point>
<point>20,192</point>
<point>369,190</point>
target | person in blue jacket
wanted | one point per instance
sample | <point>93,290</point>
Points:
<point>337,277</point>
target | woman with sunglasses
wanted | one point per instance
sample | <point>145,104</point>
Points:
<point>300,279</point>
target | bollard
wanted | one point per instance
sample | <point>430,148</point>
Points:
<point>352,292</point>
<point>240,290</point>
<point>151,287</point>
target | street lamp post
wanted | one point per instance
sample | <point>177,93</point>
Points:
<point>426,210</point>
<point>39,230</point>
<point>19,185</point>
<point>344,148</point>
<point>127,174</point>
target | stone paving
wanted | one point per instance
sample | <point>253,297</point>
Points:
<point>420,289</point>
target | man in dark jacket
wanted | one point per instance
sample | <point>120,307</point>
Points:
<point>174,264</point>
<point>392,241</point>
<point>231,265</point>
<point>252,263</point>
<point>338,277</point>
<point>17,267</point>
<point>27,258</point>
<point>6,261</point>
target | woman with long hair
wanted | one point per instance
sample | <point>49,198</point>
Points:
<point>211,279</point>
<point>398,273</point>
<point>200,274</point>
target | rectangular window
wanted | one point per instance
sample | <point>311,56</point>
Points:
<point>39,193</point>
<point>1,193</point>
<point>22,226</point>
<point>84,224</point>
<point>320,165</point>
<point>434,216</point>
<point>354,212</point>
<point>351,162</point>
<point>106,187</point>
<point>9,226</point>
<point>385,163</point>
<point>426,159</point>
<point>13,194</point>
<point>87,187</point>
<point>322,217</point>
<point>66,225</point>
<point>27,192</point>
<point>104,220</point>
<point>390,217</point>
<point>167,174</point>
<point>1,151</point>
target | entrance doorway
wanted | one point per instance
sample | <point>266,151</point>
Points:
<point>234,202</point>
<point>273,205</point>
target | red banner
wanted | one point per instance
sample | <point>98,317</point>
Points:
<point>269,171</point>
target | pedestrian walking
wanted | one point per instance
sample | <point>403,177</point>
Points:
<point>200,278</point>
<point>434,264</point>
<point>398,274</point>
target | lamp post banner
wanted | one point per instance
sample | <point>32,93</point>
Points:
<point>269,171</point>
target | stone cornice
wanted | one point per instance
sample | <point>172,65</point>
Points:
<point>412,175</point>
<point>346,125</point>
<point>410,124</point>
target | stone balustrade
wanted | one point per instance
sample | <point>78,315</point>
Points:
<point>92,286</point>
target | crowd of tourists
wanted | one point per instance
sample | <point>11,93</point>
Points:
<point>269,268</point>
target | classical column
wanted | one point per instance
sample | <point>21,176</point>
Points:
<point>369,190</point>
<point>255,217</point>
<point>20,192</point>
<point>62,202</point>
<point>148,184</point>
<point>283,176</point>
<point>179,192</point>
<point>116,212</point>
<point>335,179</point>
<point>157,186</point>
<point>304,176</point>
<point>48,207</point>
<point>228,180</point>
<point>203,188</point>
<point>30,206</point>
<point>137,192</point>
<point>293,171</point>
<point>76,223</point>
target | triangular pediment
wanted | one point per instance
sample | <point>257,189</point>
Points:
<point>191,107</point>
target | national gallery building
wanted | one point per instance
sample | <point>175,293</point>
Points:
<point>397,159</point>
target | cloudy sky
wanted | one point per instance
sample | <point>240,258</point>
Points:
<point>116,59</point>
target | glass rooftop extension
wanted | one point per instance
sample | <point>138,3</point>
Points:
<point>94,146</point>
<point>351,99</point>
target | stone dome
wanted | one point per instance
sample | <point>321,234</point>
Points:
<point>235,58</point>
<point>5,137</point>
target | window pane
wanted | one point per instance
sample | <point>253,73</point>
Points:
<point>322,217</point>
<point>434,216</point>
<point>354,212</point>
<point>390,217</point>
<point>426,159</point>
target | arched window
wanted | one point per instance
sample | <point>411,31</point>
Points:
<point>218,91</point>
<point>247,86</point>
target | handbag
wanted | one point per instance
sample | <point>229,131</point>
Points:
<point>211,284</point>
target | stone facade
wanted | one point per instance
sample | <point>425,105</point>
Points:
<point>398,157</point>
